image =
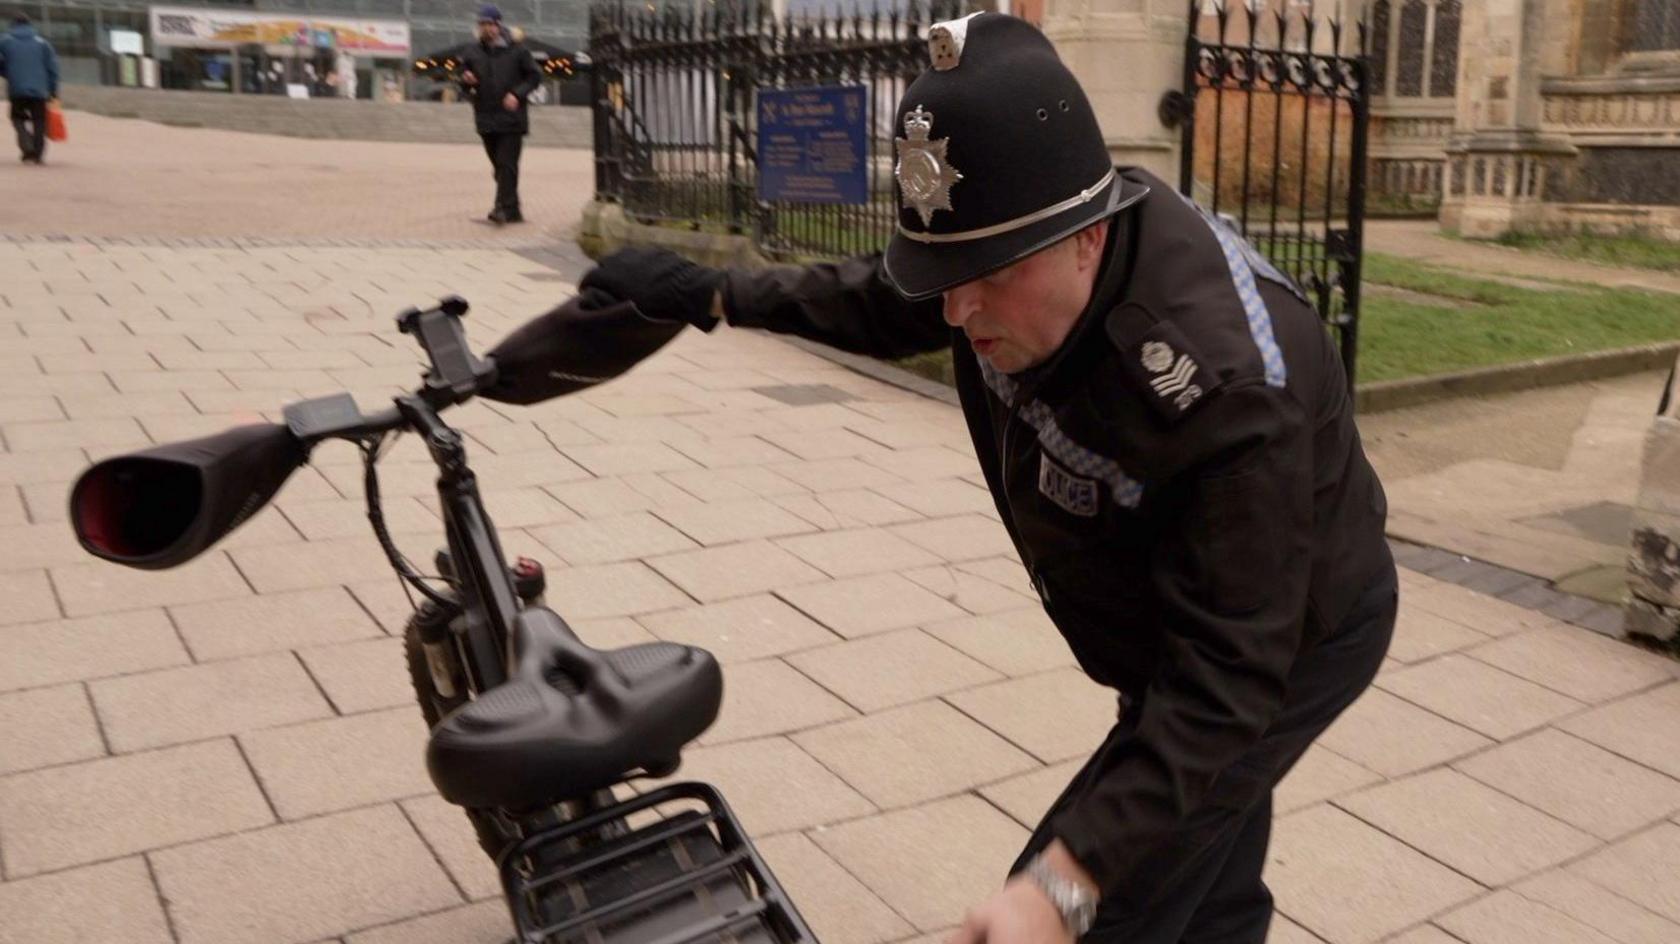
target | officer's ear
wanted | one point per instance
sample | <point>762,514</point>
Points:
<point>1088,245</point>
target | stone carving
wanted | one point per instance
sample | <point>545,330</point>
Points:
<point>1626,111</point>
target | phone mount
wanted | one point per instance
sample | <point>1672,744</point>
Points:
<point>456,372</point>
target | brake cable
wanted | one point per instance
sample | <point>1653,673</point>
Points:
<point>376,516</point>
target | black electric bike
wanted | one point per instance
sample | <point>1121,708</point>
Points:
<point>531,729</point>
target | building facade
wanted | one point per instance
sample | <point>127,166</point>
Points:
<point>1529,115</point>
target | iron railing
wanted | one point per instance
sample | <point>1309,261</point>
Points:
<point>675,121</point>
<point>1275,114</point>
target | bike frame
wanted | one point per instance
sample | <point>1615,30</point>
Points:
<point>488,600</point>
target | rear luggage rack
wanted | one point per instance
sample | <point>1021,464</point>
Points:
<point>691,877</point>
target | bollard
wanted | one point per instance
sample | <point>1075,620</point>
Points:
<point>1653,609</point>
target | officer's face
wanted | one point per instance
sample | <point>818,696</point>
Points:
<point>1017,317</point>
<point>488,29</point>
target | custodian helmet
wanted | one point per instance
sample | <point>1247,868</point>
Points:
<point>998,156</point>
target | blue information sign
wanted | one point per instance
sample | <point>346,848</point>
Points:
<point>811,145</point>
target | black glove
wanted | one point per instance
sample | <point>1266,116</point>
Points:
<point>663,285</point>
<point>588,340</point>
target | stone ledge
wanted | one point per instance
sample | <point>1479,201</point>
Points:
<point>247,243</point>
<point>1386,395</point>
<point>606,228</point>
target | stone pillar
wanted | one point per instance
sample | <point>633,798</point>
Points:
<point>1653,608</point>
<point>1497,151</point>
<point>1126,54</point>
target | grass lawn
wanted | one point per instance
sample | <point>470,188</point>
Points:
<point>1640,252</point>
<point>1480,323</point>
<point>1458,322</point>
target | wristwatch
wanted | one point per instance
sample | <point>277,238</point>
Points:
<point>1078,906</point>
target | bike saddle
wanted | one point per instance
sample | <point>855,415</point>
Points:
<point>571,719</point>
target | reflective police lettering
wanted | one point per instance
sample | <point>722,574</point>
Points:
<point>1077,496</point>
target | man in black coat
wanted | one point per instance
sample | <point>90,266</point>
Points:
<point>500,75</point>
<point>1169,439</point>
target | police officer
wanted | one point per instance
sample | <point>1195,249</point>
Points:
<point>500,75</point>
<point>1167,433</point>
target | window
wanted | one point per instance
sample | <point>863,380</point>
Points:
<point>1655,26</point>
<point>1379,48</point>
<point>1414,19</point>
<point>1443,54</point>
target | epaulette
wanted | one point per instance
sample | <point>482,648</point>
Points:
<point>1160,361</point>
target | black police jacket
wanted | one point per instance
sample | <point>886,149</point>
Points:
<point>1184,483</point>
<point>500,70</point>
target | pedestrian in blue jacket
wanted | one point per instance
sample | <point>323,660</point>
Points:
<point>31,69</point>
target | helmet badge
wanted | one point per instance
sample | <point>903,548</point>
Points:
<point>924,174</point>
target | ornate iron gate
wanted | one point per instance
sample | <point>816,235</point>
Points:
<point>675,120</point>
<point>1275,113</point>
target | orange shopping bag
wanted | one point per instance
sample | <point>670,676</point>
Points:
<point>56,131</point>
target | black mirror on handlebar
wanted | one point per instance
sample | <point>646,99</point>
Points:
<point>164,506</point>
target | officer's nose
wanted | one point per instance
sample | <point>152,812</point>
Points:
<point>960,304</point>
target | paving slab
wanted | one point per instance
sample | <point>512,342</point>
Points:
<point>448,833</point>
<point>1582,665</point>
<point>112,901</point>
<point>1028,797</point>
<point>892,668</point>
<point>1321,774</point>
<point>1350,883</point>
<point>324,766</point>
<point>838,907</point>
<point>1468,826</point>
<point>1577,782</point>
<point>728,522</point>
<point>1508,918</point>
<point>1395,737</point>
<point>1055,716</point>
<point>774,786</point>
<point>170,706</point>
<point>914,753</point>
<point>486,922</point>
<point>46,653</point>
<point>1641,869</point>
<point>930,863</point>
<point>858,552</point>
<point>1479,696</point>
<point>734,570</point>
<point>1016,642</point>
<point>361,676</point>
<point>245,626</point>
<point>103,809</point>
<point>30,597</point>
<point>770,697</point>
<point>740,629</point>
<point>48,726</point>
<point>1637,727</point>
<point>860,606</point>
<point>302,881</point>
<point>1599,908</point>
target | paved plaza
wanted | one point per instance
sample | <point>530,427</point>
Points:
<point>228,752</point>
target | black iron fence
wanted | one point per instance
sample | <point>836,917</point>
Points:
<point>676,126</point>
<point>1275,113</point>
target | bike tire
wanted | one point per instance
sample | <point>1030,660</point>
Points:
<point>434,707</point>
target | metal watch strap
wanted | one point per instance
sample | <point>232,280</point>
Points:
<point>1078,907</point>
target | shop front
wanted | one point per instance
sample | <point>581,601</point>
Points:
<point>297,55</point>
